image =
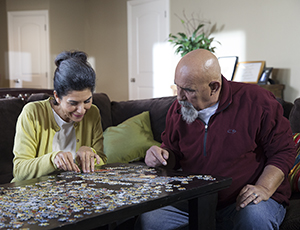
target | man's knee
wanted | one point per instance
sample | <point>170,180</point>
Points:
<point>258,216</point>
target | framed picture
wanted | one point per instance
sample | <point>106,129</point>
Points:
<point>249,71</point>
<point>263,80</point>
<point>228,66</point>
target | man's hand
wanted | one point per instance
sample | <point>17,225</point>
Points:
<point>251,193</point>
<point>64,161</point>
<point>264,188</point>
<point>86,159</point>
<point>156,156</point>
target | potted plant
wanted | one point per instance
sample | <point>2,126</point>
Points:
<point>195,37</point>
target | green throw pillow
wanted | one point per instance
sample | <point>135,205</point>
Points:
<point>130,140</point>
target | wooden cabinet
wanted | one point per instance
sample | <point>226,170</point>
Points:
<point>276,89</point>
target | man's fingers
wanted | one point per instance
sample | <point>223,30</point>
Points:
<point>165,155</point>
<point>156,156</point>
<point>247,195</point>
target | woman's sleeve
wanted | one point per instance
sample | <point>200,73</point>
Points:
<point>27,148</point>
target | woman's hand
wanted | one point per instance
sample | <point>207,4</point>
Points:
<point>64,161</point>
<point>86,159</point>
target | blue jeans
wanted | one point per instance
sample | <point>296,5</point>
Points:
<point>264,215</point>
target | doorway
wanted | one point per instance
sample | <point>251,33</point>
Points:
<point>148,49</point>
<point>28,45</point>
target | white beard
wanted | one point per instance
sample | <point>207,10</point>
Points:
<point>189,113</point>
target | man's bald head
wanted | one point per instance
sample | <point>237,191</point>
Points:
<point>200,64</point>
<point>198,79</point>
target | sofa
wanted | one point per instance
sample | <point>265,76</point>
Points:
<point>115,113</point>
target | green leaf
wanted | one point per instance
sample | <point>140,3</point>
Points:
<point>182,35</point>
<point>172,36</point>
<point>198,28</point>
<point>185,44</point>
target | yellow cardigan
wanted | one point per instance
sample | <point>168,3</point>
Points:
<point>35,130</point>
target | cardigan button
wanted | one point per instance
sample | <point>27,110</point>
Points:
<point>77,140</point>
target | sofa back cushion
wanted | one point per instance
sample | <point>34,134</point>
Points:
<point>294,116</point>
<point>9,112</point>
<point>287,107</point>
<point>102,101</point>
<point>158,108</point>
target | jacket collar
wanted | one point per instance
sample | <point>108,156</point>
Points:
<point>225,95</point>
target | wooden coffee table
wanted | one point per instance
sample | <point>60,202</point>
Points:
<point>115,192</point>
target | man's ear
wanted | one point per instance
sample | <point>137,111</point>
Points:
<point>214,87</point>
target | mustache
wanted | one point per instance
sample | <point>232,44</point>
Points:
<point>185,103</point>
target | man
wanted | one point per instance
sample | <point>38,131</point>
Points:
<point>226,129</point>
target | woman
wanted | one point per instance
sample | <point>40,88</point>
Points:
<point>57,133</point>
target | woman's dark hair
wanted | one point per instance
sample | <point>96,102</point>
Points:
<point>73,72</point>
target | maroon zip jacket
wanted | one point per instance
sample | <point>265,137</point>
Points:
<point>247,132</point>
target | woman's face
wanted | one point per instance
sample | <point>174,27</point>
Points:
<point>74,105</point>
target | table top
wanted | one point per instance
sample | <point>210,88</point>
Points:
<point>71,200</point>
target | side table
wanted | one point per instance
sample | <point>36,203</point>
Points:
<point>276,89</point>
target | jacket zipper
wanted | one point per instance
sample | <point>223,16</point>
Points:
<point>206,129</point>
<point>205,137</point>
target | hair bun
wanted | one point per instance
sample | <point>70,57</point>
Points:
<point>82,56</point>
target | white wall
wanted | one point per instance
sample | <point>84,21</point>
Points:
<point>254,30</point>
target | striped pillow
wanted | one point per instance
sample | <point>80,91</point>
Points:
<point>295,171</point>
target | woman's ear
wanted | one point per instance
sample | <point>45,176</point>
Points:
<point>214,87</point>
<point>57,99</point>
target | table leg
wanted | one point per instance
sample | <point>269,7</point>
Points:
<point>202,212</point>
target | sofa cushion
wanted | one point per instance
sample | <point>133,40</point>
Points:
<point>9,112</point>
<point>292,220</point>
<point>157,107</point>
<point>130,140</point>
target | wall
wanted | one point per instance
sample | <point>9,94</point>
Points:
<point>107,42</point>
<point>66,21</point>
<point>253,30</point>
<point>97,27</point>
